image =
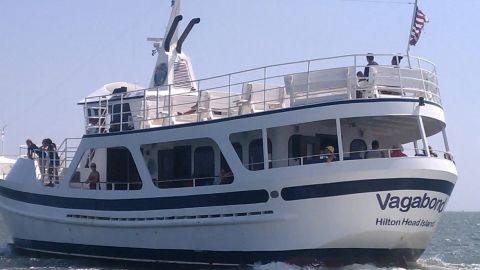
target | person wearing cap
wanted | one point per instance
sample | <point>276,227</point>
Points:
<point>371,62</point>
<point>94,177</point>
<point>396,60</point>
<point>330,153</point>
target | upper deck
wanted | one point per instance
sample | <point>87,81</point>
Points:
<point>261,89</point>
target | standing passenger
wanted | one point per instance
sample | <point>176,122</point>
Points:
<point>94,177</point>
<point>32,150</point>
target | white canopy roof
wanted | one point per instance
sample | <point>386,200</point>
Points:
<point>107,89</point>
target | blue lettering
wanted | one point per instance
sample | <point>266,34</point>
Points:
<point>404,204</point>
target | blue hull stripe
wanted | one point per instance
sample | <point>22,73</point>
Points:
<point>364,186</point>
<point>141,204</point>
<point>332,256</point>
<point>231,198</point>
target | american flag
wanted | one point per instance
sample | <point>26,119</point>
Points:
<point>417,27</point>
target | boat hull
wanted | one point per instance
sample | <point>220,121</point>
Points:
<point>330,257</point>
<point>330,229</point>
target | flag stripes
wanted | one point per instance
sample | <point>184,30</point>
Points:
<point>419,23</point>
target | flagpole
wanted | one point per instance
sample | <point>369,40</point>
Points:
<point>2,134</point>
<point>410,32</point>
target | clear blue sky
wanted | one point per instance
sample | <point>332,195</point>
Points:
<point>54,52</point>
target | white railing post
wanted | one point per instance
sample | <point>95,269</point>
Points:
<point>308,79</point>
<point>445,141</point>
<point>402,90</point>
<point>144,108</point>
<point>169,105</point>
<point>156,106</point>
<point>229,93</point>
<point>424,136</point>
<point>121,112</point>
<point>423,79</point>
<point>354,94</point>
<point>265,148</point>
<point>264,88</point>
<point>199,95</point>
<point>339,138</point>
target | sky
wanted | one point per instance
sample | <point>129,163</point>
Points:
<point>55,52</point>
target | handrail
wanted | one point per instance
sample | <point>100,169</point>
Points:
<point>322,158</point>
<point>141,116</point>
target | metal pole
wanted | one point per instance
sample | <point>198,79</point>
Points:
<point>265,148</point>
<point>229,92</point>
<point>447,147</point>
<point>2,136</point>
<point>339,138</point>
<point>424,136</point>
<point>410,32</point>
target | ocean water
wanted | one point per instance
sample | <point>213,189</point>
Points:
<point>456,245</point>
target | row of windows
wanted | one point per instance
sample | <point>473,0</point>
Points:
<point>199,162</point>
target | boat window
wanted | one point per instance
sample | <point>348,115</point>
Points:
<point>395,135</point>
<point>434,130</point>
<point>255,154</point>
<point>186,163</point>
<point>121,117</point>
<point>204,166</point>
<point>304,149</point>
<point>238,150</point>
<point>107,169</point>
<point>357,149</point>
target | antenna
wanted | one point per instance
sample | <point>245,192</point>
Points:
<point>185,34</point>
<point>156,44</point>
<point>168,39</point>
<point>2,136</point>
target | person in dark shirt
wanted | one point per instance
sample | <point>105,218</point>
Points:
<point>32,149</point>
<point>396,60</point>
<point>53,159</point>
<point>371,62</point>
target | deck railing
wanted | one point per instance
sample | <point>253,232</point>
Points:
<point>263,89</point>
<point>355,155</point>
<point>50,165</point>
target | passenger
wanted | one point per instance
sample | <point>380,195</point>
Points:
<point>226,176</point>
<point>43,159</point>
<point>94,177</point>
<point>32,149</point>
<point>375,153</point>
<point>361,83</point>
<point>54,160</point>
<point>371,62</point>
<point>330,153</point>
<point>396,60</point>
<point>397,151</point>
<point>432,154</point>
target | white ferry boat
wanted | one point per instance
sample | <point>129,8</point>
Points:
<point>302,162</point>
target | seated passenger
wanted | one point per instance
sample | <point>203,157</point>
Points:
<point>396,60</point>
<point>375,153</point>
<point>329,153</point>
<point>397,151</point>
<point>226,177</point>
<point>430,150</point>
